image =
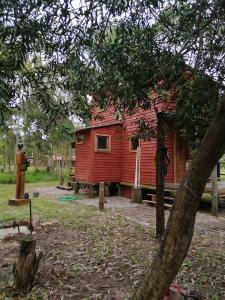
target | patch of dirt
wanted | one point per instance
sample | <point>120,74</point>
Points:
<point>87,263</point>
<point>108,258</point>
<point>50,192</point>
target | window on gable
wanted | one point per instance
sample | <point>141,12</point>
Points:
<point>80,139</point>
<point>134,143</point>
<point>100,107</point>
<point>102,143</point>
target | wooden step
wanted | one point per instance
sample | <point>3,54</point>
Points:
<point>153,196</point>
<point>63,187</point>
<point>151,202</point>
<point>169,198</point>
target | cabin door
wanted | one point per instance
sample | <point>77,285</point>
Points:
<point>180,157</point>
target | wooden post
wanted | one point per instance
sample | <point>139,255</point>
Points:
<point>136,195</point>
<point>61,171</point>
<point>76,187</point>
<point>160,217</point>
<point>215,200</point>
<point>107,190</point>
<point>101,195</point>
<point>27,265</point>
<point>91,192</point>
<point>119,192</point>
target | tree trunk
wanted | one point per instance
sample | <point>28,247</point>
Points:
<point>4,157</point>
<point>160,215</point>
<point>27,265</point>
<point>180,226</point>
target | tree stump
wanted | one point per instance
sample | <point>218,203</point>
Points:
<point>27,265</point>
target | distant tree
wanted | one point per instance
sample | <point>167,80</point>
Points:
<point>8,139</point>
<point>35,38</point>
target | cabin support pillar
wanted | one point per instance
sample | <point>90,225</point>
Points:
<point>91,192</point>
<point>101,195</point>
<point>136,195</point>
<point>119,192</point>
<point>76,187</point>
<point>107,190</point>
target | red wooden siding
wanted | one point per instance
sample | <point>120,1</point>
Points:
<point>107,165</point>
<point>106,116</point>
<point>169,143</point>
<point>118,165</point>
<point>94,166</point>
<point>147,151</point>
<point>84,161</point>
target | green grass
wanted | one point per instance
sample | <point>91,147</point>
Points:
<point>71,214</point>
<point>32,176</point>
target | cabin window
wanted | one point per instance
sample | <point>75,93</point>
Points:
<point>134,143</point>
<point>102,143</point>
<point>80,139</point>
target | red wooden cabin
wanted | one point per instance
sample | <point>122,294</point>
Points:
<point>106,152</point>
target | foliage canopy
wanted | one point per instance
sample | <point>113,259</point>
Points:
<point>123,47</point>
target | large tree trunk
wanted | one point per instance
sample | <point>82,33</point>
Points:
<point>180,226</point>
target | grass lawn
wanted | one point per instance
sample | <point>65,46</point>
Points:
<point>64,212</point>
<point>32,176</point>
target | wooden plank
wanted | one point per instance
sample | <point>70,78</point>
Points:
<point>169,198</point>
<point>165,197</point>
<point>66,188</point>
<point>152,202</point>
<point>149,202</point>
<point>18,202</point>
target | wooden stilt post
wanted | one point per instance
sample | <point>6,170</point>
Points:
<point>215,199</point>
<point>119,192</point>
<point>101,195</point>
<point>107,190</point>
<point>27,265</point>
<point>76,187</point>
